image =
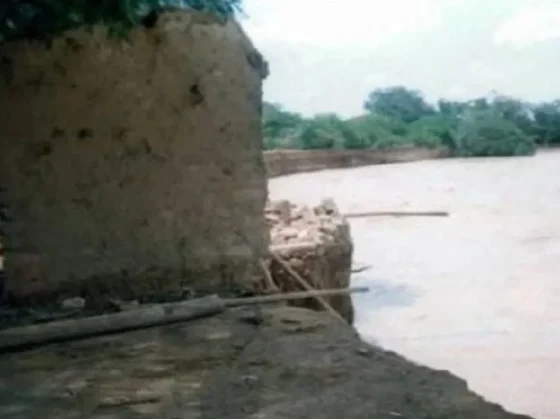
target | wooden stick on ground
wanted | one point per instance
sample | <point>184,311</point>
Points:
<point>128,400</point>
<point>142,317</point>
<point>397,214</point>
<point>152,315</point>
<point>297,295</point>
<point>307,287</point>
<point>268,278</point>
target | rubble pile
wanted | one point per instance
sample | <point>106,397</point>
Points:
<point>316,243</point>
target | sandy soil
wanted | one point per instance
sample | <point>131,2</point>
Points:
<point>476,293</point>
<point>278,363</point>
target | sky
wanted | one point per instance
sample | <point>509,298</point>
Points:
<point>326,55</point>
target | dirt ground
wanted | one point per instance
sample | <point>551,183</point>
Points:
<point>475,293</point>
<point>275,363</point>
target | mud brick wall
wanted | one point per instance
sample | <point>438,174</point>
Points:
<point>133,165</point>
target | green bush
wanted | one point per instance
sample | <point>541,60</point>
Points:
<point>312,137</point>
<point>41,19</point>
<point>427,140</point>
<point>326,131</point>
<point>478,130</point>
<point>370,129</point>
<point>331,126</point>
<point>278,123</point>
<point>392,141</point>
<point>433,131</point>
<point>485,133</point>
<point>497,126</point>
<point>547,122</point>
<point>355,142</point>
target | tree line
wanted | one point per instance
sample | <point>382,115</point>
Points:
<point>497,125</point>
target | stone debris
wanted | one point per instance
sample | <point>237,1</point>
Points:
<point>281,209</point>
<point>291,223</point>
<point>326,260</point>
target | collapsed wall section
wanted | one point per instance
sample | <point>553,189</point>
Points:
<point>316,243</point>
<point>133,165</point>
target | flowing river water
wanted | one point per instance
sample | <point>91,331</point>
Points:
<point>476,293</point>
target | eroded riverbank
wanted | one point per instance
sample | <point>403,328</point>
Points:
<point>276,363</point>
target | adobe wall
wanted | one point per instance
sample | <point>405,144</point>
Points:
<point>285,162</point>
<point>132,166</point>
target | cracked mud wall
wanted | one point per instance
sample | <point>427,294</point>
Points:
<point>133,165</point>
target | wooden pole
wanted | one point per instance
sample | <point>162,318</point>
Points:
<point>269,281</point>
<point>292,247</point>
<point>307,287</point>
<point>142,317</point>
<point>152,315</point>
<point>297,295</point>
<point>397,214</point>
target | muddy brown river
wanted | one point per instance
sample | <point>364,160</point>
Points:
<point>476,293</point>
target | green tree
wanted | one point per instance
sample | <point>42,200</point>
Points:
<point>433,131</point>
<point>451,108</point>
<point>398,102</point>
<point>328,131</point>
<point>333,126</point>
<point>314,136</point>
<point>479,104</point>
<point>515,111</point>
<point>487,133</point>
<point>547,122</point>
<point>372,128</point>
<point>278,123</point>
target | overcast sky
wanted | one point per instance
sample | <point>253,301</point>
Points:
<point>326,55</point>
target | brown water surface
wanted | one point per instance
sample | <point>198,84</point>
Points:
<point>477,293</point>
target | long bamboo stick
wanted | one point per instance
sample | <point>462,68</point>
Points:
<point>397,214</point>
<point>307,287</point>
<point>142,317</point>
<point>297,295</point>
<point>269,281</point>
<point>152,315</point>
